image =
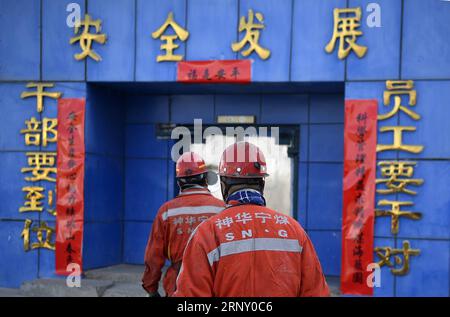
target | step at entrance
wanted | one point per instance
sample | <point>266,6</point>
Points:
<point>115,281</point>
<point>126,273</point>
<point>58,288</point>
<point>121,280</point>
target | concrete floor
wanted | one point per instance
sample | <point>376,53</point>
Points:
<point>122,280</point>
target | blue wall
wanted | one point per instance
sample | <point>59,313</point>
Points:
<point>296,32</point>
<point>430,70</point>
<point>104,178</point>
<point>432,199</point>
<point>16,265</point>
<point>123,153</point>
<point>147,166</point>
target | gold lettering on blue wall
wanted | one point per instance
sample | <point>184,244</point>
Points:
<point>345,29</point>
<point>34,129</point>
<point>39,131</point>
<point>40,94</point>
<point>169,46</point>
<point>41,165</point>
<point>33,198</point>
<point>86,39</point>
<point>41,230</point>
<point>397,175</point>
<point>397,88</point>
<point>385,254</point>
<point>396,213</point>
<point>398,140</point>
<point>252,35</point>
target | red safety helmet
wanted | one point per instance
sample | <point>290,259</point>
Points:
<point>243,160</point>
<point>190,164</point>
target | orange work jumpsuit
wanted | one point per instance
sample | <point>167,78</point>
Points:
<point>173,225</point>
<point>250,250</point>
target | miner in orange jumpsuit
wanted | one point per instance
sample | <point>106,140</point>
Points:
<point>176,220</point>
<point>249,249</point>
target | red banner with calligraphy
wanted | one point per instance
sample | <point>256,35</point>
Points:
<point>225,71</point>
<point>70,186</point>
<point>360,141</point>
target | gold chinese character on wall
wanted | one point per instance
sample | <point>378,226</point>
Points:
<point>396,213</point>
<point>398,140</point>
<point>40,94</point>
<point>169,46</point>
<point>33,198</point>
<point>34,130</point>
<point>86,39</point>
<point>345,30</point>
<point>397,175</point>
<point>44,235</point>
<point>41,165</point>
<point>385,254</point>
<point>39,131</point>
<point>252,31</point>
<point>397,88</point>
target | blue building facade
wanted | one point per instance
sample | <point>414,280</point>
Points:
<point>129,171</point>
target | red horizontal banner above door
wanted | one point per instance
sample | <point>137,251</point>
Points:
<point>225,71</point>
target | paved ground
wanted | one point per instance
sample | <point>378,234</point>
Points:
<point>9,292</point>
<point>122,280</point>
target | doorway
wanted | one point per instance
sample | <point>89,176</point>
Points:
<point>130,172</point>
